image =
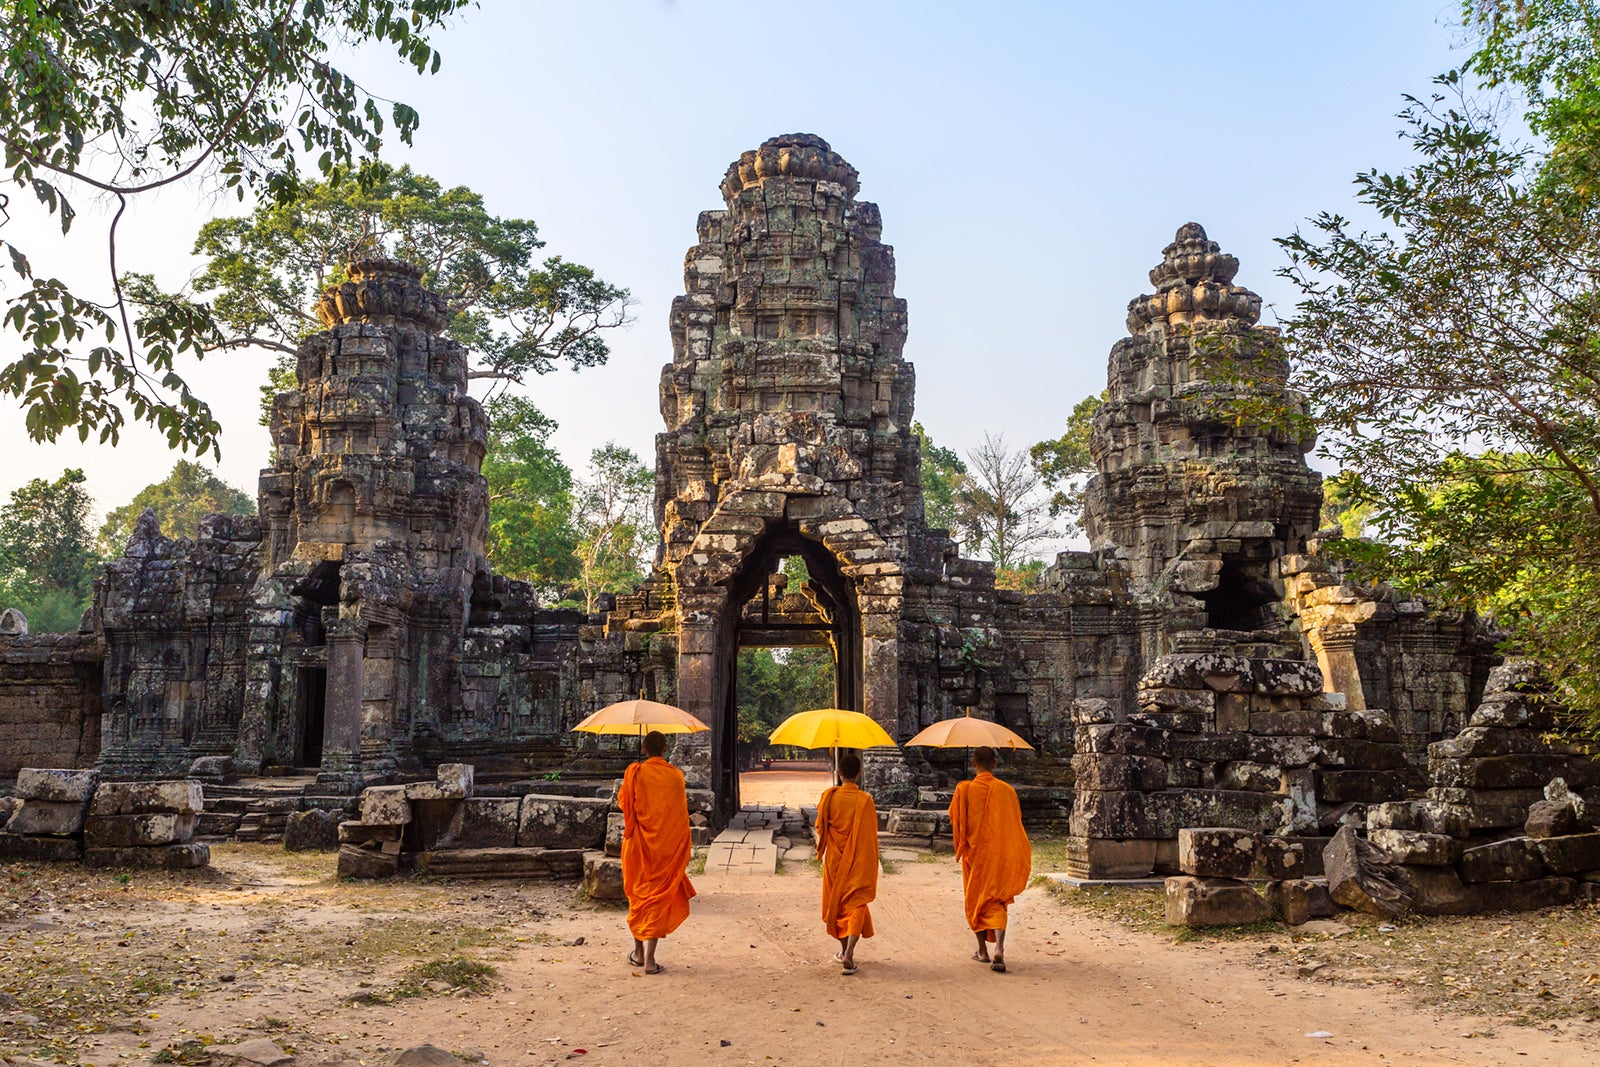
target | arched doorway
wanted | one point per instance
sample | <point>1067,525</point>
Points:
<point>751,616</point>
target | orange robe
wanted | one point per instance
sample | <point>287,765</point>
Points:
<point>655,848</point>
<point>996,858</point>
<point>847,845</point>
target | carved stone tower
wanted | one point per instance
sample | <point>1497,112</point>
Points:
<point>788,414</point>
<point>374,513</point>
<point>1200,502</point>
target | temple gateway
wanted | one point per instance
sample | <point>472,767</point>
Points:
<point>1201,665</point>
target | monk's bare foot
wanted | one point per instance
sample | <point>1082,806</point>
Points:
<point>981,957</point>
<point>634,960</point>
<point>998,966</point>
<point>849,968</point>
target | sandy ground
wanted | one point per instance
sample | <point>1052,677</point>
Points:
<point>274,947</point>
<point>795,788</point>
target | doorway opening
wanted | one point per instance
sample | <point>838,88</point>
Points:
<point>790,641</point>
<point>315,609</point>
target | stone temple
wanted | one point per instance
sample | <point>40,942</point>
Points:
<point>1200,665</point>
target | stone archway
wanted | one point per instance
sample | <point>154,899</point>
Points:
<point>735,551</point>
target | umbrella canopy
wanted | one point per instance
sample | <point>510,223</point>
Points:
<point>640,717</point>
<point>830,728</point>
<point>967,732</point>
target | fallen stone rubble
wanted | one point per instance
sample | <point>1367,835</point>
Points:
<point>67,815</point>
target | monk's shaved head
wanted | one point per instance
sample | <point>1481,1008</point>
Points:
<point>655,743</point>
<point>849,766</point>
<point>983,758</point>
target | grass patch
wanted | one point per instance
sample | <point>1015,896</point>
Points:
<point>190,1051</point>
<point>457,972</point>
<point>1049,855</point>
<point>697,861</point>
<point>1135,908</point>
<point>889,866</point>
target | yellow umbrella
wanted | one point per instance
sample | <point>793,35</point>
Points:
<point>640,717</point>
<point>830,728</point>
<point>967,732</point>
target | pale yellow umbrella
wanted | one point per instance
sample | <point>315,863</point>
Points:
<point>967,732</point>
<point>640,717</point>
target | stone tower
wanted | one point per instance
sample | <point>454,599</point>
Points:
<point>374,514</point>
<point>1199,503</point>
<point>788,414</point>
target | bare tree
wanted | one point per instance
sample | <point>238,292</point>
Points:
<point>1000,502</point>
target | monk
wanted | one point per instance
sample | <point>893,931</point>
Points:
<point>847,845</point>
<point>994,853</point>
<point>655,850</point>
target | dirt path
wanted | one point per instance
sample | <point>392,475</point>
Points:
<point>750,968</point>
<point>793,788</point>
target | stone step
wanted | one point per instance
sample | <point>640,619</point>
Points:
<point>501,862</point>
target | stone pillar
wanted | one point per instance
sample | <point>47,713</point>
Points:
<point>1335,647</point>
<point>341,735</point>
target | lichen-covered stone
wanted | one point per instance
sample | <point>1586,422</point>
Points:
<point>357,862</point>
<point>1200,902</point>
<point>1416,848</point>
<point>1571,854</point>
<point>138,831</point>
<point>41,848</point>
<point>45,817</point>
<point>488,822</point>
<point>562,822</point>
<point>148,798</point>
<point>161,857</point>
<point>385,805</point>
<point>1514,860</point>
<point>1299,900</point>
<point>56,786</point>
<point>1216,852</point>
<point>602,877</point>
<point>1362,878</point>
<point>313,830</point>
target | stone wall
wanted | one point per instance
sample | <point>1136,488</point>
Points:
<point>49,700</point>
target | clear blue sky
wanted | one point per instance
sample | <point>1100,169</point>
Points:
<point>1030,159</point>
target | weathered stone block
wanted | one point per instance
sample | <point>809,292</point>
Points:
<point>56,786</point>
<point>47,817</point>
<point>385,805</point>
<point>488,822</point>
<point>1570,854</point>
<point>1513,860</point>
<point>1299,900</point>
<point>453,781</point>
<point>355,832</point>
<point>1216,852</point>
<point>915,822</point>
<point>1413,848</point>
<point>1427,816</point>
<point>163,857</point>
<point>1551,818</point>
<point>562,822</point>
<point>356,862</point>
<point>1198,902</point>
<point>602,877</point>
<point>1107,772</point>
<point>41,849</point>
<point>138,831</point>
<point>1360,787</point>
<point>1438,891</point>
<point>148,798</point>
<point>502,862</point>
<point>1361,877</point>
<point>1521,896</point>
<point>316,830</point>
<point>1089,857</point>
<point>212,768</point>
<point>1277,859</point>
<point>615,823</point>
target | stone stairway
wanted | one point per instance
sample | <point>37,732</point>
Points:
<point>756,839</point>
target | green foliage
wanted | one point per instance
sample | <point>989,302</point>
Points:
<point>531,532</point>
<point>1340,507</point>
<point>118,100</point>
<point>1064,464</point>
<point>47,565</point>
<point>1025,575</point>
<point>615,522</point>
<point>774,684</point>
<point>942,471</point>
<point>266,270</point>
<point>1453,360</point>
<point>180,501</point>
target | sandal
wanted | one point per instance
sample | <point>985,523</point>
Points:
<point>634,960</point>
<point>657,969</point>
<point>981,959</point>
<point>848,971</point>
<point>998,966</point>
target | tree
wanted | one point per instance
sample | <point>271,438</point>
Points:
<point>773,684</point>
<point>180,500</point>
<point>942,472</point>
<point>1064,464</point>
<point>998,502</point>
<point>265,271</point>
<point>1341,508</point>
<point>47,567</point>
<point>1453,359</point>
<point>120,100</point>
<point>614,521</point>
<point>531,532</point>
